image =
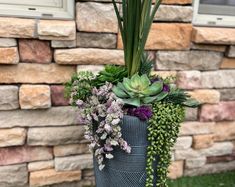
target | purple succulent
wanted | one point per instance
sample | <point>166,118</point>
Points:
<point>143,112</point>
<point>166,88</point>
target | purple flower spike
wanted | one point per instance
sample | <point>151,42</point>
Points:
<point>143,112</point>
<point>166,88</point>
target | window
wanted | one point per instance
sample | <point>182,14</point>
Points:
<point>44,9</point>
<point>214,13</point>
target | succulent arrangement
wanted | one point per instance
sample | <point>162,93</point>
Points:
<point>138,90</point>
<point>104,99</point>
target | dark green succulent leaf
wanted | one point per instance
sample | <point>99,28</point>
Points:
<point>112,74</point>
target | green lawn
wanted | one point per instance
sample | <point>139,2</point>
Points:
<point>216,180</point>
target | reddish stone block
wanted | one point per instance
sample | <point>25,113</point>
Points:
<point>35,51</point>
<point>218,112</point>
<point>57,96</point>
<point>224,158</point>
<point>15,155</point>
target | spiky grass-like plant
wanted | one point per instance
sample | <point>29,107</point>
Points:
<point>134,24</point>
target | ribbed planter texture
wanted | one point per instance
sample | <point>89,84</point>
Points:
<point>126,170</point>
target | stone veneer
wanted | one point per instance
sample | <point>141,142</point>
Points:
<point>41,143</point>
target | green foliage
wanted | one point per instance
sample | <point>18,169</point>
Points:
<point>134,26</point>
<point>179,96</point>
<point>226,179</point>
<point>138,90</point>
<point>146,65</point>
<point>79,87</point>
<point>163,130</point>
<point>112,74</point>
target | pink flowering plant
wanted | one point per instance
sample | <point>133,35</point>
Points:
<point>101,114</point>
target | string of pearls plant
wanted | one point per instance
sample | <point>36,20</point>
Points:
<point>163,130</point>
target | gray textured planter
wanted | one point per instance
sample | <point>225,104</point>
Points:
<point>126,170</point>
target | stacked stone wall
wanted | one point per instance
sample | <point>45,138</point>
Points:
<point>41,143</point>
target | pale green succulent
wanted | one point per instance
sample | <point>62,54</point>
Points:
<point>138,90</point>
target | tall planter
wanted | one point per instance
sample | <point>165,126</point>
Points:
<point>126,170</point>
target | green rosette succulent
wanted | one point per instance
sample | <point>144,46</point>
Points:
<point>138,90</point>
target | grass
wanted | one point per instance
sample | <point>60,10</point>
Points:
<point>214,180</point>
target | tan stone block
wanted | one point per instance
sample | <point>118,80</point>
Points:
<point>211,35</point>
<point>196,128</point>
<point>203,141</point>
<point>35,96</point>
<point>17,28</point>
<point>55,135</point>
<point>181,2</point>
<point>56,30</point>
<point>164,74</point>
<point>8,42</point>
<point>217,149</point>
<point>211,47</point>
<point>71,163</point>
<point>55,116</point>
<point>88,56</point>
<point>36,73</point>
<point>50,176</point>
<point>96,17</point>
<point>188,60</point>
<point>40,165</point>
<point>218,79</point>
<point>167,36</point>
<point>186,154</point>
<point>228,63</point>
<point>9,55</point>
<point>225,131</point>
<point>205,96</point>
<point>9,97</point>
<point>195,162</point>
<point>184,142</point>
<point>210,168</point>
<point>12,137</point>
<point>172,13</point>
<point>176,169</point>
<point>14,176</point>
<point>72,149</point>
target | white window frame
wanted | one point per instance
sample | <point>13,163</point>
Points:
<point>65,12</point>
<point>213,20</point>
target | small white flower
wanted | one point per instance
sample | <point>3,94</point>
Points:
<point>109,156</point>
<point>101,167</point>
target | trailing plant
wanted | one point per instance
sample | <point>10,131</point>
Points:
<point>79,87</point>
<point>112,74</point>
<point>134,25</point>
<point>138,90</point>
<point>163,129</point>
<point>102,113</point>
